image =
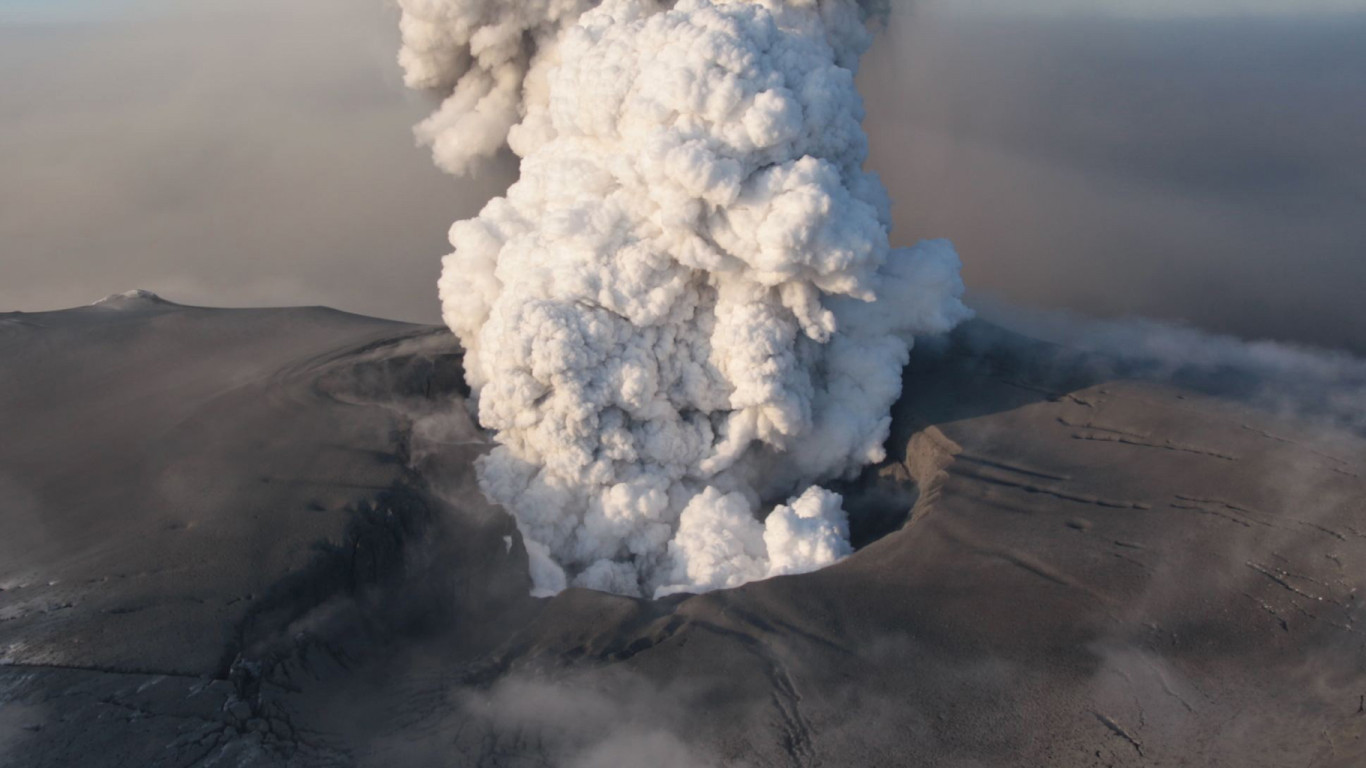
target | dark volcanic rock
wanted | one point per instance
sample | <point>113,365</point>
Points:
<point>251,537</point>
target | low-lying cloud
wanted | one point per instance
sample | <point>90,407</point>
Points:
<point>590,725</point>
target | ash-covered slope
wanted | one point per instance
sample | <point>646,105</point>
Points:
<point>164,466</point>
<point>249,537</point>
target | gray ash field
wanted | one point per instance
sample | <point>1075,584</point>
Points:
<point>253,537</point>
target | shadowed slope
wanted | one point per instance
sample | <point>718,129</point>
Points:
<point>164,466</point>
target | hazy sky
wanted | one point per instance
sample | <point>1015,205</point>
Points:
<point>1209,169</point>
<point>1150,9</point>
<point>225,152</point>
<point>1201,160</point>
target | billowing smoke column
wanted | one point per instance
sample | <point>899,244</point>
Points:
<point>686,308</point>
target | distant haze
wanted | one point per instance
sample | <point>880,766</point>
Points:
<point>224,153</point>
<point>1203,162</point>
<point>1206,170</point>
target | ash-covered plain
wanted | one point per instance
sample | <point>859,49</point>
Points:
<point>254,537</point>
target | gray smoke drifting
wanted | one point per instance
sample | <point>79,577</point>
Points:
<point>1325,387</point>
<point>686,308</point>
<point>588,724</point>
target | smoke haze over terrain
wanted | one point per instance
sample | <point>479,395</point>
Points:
<point>1199,162</point>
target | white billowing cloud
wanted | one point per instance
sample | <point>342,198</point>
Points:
<point>810,533</point>
<point>686,308</point>
<point>479,51</point>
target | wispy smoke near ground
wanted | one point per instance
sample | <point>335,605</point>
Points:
<point>686,308</point>
<point>1326,387</point>
<point>587,726</point>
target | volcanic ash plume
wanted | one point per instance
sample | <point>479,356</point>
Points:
<point>686,308</point>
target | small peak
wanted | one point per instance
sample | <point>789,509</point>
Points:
<point>133,298</point>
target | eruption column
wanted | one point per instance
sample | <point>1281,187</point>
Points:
<point>686,307</point>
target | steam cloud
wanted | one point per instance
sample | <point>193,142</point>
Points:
<point>686,308</point>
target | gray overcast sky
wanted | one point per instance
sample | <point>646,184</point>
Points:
<point>1202,161</point>
<point>229,152</point>
<point>1207,169</point>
